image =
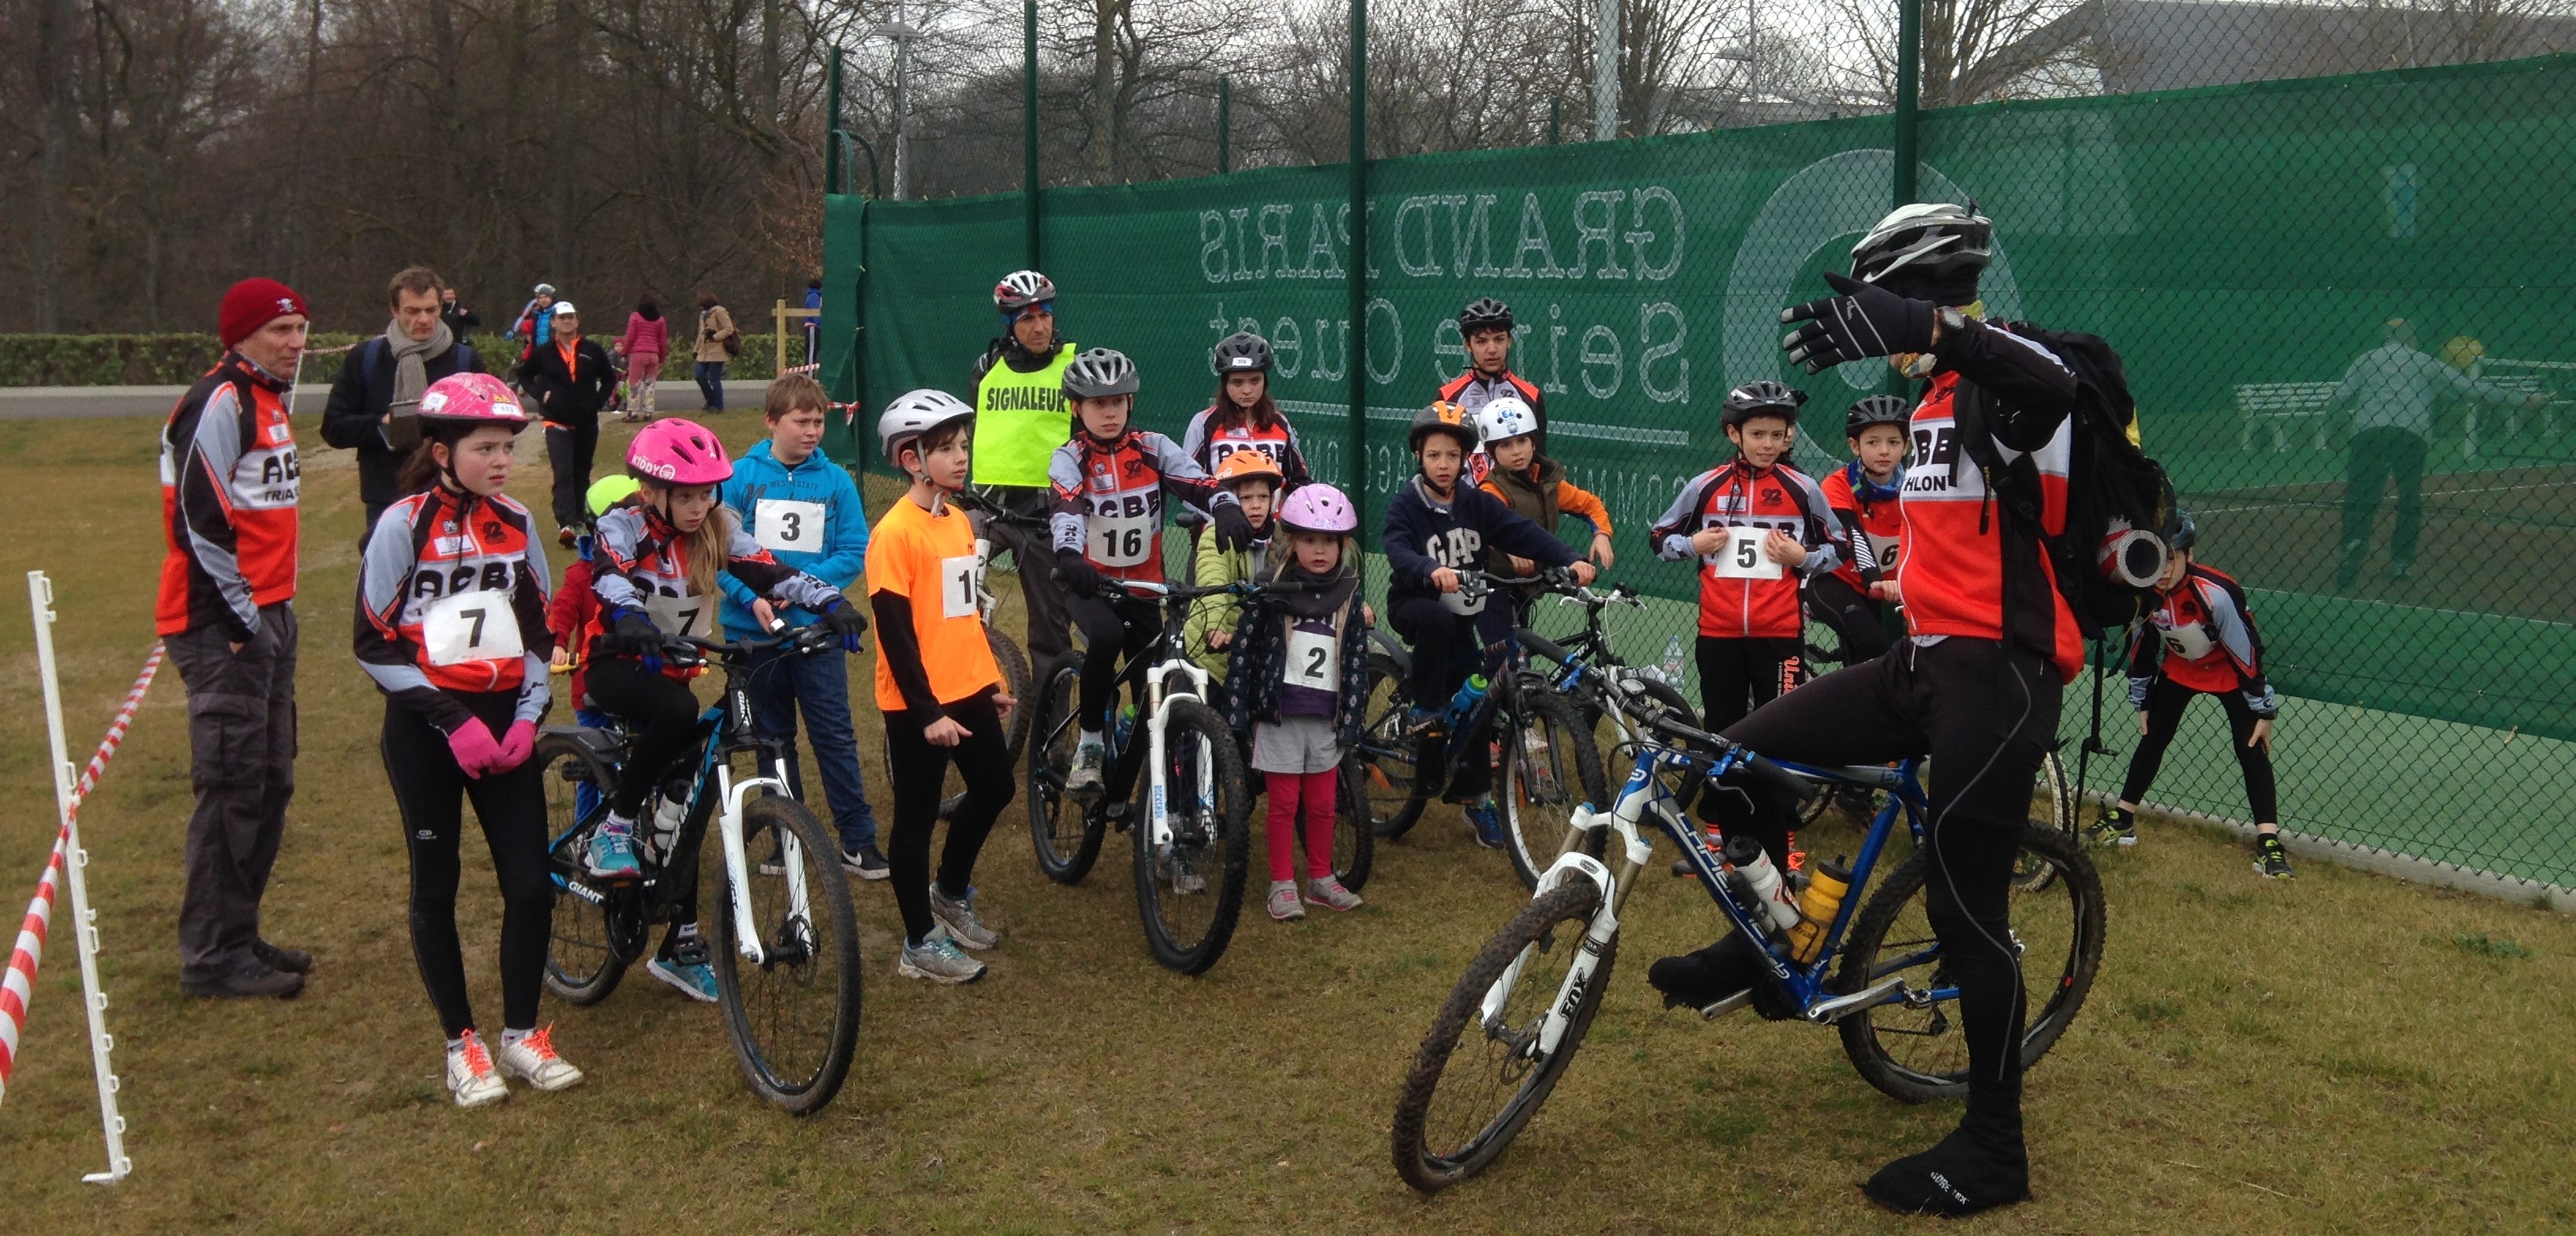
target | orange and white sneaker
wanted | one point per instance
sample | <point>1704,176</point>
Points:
<point>533,1060</point>
<point>470,1075</point>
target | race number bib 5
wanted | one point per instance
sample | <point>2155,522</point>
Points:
<point>1310,660</point>
<point>957,587</point>
<point>780,524</point>
<point>2191,643</point>
<point>1884,549</point>
<point>1119,540</point>
<point>1742,557</point>
<point>470,626</point>
<point>690,615</point>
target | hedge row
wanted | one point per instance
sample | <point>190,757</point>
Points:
<point>177,360</point>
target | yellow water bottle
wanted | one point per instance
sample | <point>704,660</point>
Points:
<point>1816,907</point>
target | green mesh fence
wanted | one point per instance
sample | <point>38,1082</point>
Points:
<point>2324,288</point>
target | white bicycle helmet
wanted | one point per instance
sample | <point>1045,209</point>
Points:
<point>1099,373</point>
<point>1504,417</point>
<point>1925,238</point>
<point>1020,289</point>
<point>914,413</point>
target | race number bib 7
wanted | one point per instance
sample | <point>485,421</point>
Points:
<point>1310,660</point>
<point>780,524</point>
<point>690,615</point>
<point>2191,642</point>
<point>1884,549</point>
<point>1119,540</point>
<point>957,587</point>
<point>1742,557</point>
<point>470,626</point>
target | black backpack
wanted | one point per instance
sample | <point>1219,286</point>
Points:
<point>2119,502</point>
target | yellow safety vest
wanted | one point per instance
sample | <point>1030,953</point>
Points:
<point>1020,418</point>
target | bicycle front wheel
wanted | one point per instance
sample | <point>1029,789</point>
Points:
<point>1550,767</point>
<point>1917,1050</point>
<point>1190,892</point>
<point>1477,1080</point>
<point>597,926</point>
<point>793,1014</point>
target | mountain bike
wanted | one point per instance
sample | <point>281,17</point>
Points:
<point>786,947</point>
<point>1512,1024</point>
<point>1544,758</point>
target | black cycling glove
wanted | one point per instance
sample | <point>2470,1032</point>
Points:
<point>1233,531</point>
<point>1864,321</point>
<point>1080,577</point>
<point>630,631</point>
<point>846,621</point>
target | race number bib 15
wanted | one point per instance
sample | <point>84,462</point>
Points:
<point>690,615</point>
<point>1884,549</point>
<point>780,524</point>
<point>1119,540</point>
<point>1742,557</point>
<point>470,626</point>
<point>1310,660</point>
<point>957,587</point>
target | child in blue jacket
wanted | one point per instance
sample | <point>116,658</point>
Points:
<point>805,510</point>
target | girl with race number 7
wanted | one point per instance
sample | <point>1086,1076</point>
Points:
<point>451,625</point>
<point>654,567</point>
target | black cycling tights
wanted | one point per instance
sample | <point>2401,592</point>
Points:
<point>2166,701</point>
<point>428,787</point>
<point>920,773</point>
<point>659,711</point>
<point>1986,715</point>
<point>1111,626</point>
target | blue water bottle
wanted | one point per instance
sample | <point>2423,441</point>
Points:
<point>1469,695</point>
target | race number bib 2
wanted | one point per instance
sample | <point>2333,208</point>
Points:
<point>1119,540</point>
<point>957,587</point>
<point>690,615</point>
<point>1742,557</point>
<point>1884,549</point>
<point>780,524</point>
<point>470,626</point>
<point>1310,660</point>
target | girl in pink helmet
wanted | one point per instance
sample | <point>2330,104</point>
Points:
<point>654,567</point>
<point>1299,680</point>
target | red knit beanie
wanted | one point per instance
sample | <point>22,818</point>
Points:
<point>254,303</point>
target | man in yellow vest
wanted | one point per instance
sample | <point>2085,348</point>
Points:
<point>1020,418</point>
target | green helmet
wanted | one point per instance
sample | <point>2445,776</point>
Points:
<point>606,492</point>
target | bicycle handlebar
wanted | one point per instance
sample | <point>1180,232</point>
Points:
<point>692,650</point>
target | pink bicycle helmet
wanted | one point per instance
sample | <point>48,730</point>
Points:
<point>678,452</point>
<point>469,399</point>
<point>1319,508</point>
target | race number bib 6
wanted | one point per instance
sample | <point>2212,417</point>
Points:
<point>1119,540</point>
<point>2191,643</point>
<point>957,587</point>
<point>470,626</point>
<point>1884,549</point>
<point>690,615</point>
<point>1310,660</point>
<point>1742,557</point>
<point>780,524</point>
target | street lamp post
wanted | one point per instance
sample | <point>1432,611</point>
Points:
<point>903,34</point>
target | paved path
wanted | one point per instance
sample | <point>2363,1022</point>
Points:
<point>20,403</point>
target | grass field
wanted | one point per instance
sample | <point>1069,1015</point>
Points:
<point>2339,1053</point>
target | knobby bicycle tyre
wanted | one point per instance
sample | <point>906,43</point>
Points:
<point>1354,834</point>
<point>1188,931</point>
<point>583,961</point>
<point>1064,832</point>
<point>1387,764</point>
<point>1539,790</point>
<point>793,1017</point>
<point>1014,665</point>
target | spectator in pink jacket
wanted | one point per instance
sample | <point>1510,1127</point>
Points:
<point>647,341</point>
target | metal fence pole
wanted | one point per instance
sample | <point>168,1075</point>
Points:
<point>1605,73</point>
<point>1554,108</point>
<point>1224,124</point>
<point>1909,73</point>
<point>1358,350</point>
<point>1029,123</point>
<point>832,128</point>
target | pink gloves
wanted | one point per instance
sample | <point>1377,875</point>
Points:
<point>516,746</point>
<point>476,753</point>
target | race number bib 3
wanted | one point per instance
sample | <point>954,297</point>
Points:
<point>2191,643</point>
<point>690,615</point>
<point>780,524</point>
<point>1457,603</point>
<point>1884,549</point>
<point>957,587</point>
<point>1310,660</point>
<point>1119,540</point>
<point>470,626</point>
<point>1742,556</point>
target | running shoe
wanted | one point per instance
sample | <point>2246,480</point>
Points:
<point>470,1075</point>
<point>612,852</point>
<point>2114,828</point>
<point>1488,822</point>
<point>1284,905</point>
<point>866,862</point>
<point>686,969</point>
<point>1327,891</point>
<point>2271,858</point>
<point>938,960</point>
<point>1425,723</point>
<point>533,1060</point>
<point>957,914</point>
<point>1088,756</point>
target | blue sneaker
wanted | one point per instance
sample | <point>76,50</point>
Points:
<point>687,970</point>
<point>1488,821</point>
<point>612,853</point>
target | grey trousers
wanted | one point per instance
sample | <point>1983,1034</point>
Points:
<point>241,726</point>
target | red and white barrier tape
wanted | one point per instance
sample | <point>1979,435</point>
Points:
<point>18,986</point>
<point>816,367</point>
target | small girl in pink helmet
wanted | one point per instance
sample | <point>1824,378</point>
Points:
<point>1299,681</point>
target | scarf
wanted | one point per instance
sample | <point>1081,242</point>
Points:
<point>1870,491</point>
<point>1325,596</point>
<point>411,373</point>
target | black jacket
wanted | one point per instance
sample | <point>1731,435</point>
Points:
<point>461,321</point>
<point>568,398</point>
<point>361,397</point>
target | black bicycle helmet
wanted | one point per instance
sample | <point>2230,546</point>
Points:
<point>1484,313</point>
<point>2183,532</point>
<point>1762,396</point>
<point>1876,410</point>
<point>1442,417</point>
<point>1926,240</point>
<point>1099,373</point>
<point>1241,352</point>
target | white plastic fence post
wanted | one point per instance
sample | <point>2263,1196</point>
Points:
<point>40,597</point>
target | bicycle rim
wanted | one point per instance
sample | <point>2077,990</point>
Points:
<point>2052,807</point>
<point>794,1014</point>
<point>1190,892</point>
<point>583,962</point>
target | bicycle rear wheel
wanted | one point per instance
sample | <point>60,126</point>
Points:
<point>1190,893</point>
<point>1014,665</point>
<point>1062,829</point>
<point>2052,806</point>
<point>1385,767</point>
<point>1354,835</point>
<point>584,959</point>
<point>1917,1052</point>
<point>1476,1082</point>
<point>1550,767</point>
<point>794,1014</point>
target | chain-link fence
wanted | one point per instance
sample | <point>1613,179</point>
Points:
<point>2342,290</point>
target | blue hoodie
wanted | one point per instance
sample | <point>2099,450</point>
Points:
<point>776,505</point>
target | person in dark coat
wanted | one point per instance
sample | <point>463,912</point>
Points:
<point>372,401</point>
<point>568,380</point>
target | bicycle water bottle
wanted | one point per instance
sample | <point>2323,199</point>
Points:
<point>1673,661</point>
<point>1126,725</point>
<point>1826,884</point>
<point>668,815</point>
<point>1470,694</point>
<point>1766,894</point>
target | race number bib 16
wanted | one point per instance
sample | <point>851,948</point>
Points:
<point>780,524</point>
<point>957,587</point>
<point>1310,660</point>
<point>470,626</point>
<point>1119,540</point>
<point>690,615</point>
<point>1742,557</point>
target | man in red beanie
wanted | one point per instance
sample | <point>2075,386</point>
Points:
<point>229,479</point>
